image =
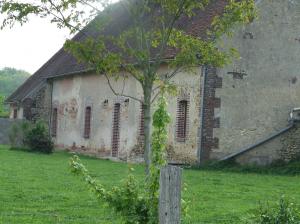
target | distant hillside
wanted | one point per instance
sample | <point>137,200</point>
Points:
<point>11,79</point>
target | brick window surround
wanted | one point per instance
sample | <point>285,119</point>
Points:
<point>87,122</point>
<point>116,130</point>
<point>182,120</point>
<point>142,121</point>
<point>54,122</point>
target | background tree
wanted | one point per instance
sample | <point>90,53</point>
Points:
<point>140,49</point>
<point>10,80</point>
<point>3,112</point>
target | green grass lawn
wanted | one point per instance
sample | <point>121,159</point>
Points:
<point>36,188</point>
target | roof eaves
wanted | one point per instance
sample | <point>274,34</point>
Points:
<point>70,73</point>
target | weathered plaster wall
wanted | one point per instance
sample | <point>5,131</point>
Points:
<point>71,95</point>
<point>260,88</point>
<point>189,88</point>
<point>74,93</point>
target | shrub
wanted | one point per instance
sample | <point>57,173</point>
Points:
<point>284,213</point>
<point>38,138</point>
<point>17,134</point>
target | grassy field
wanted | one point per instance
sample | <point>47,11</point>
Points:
<point>37,188</point>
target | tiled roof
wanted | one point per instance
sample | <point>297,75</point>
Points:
<point>62,63</point>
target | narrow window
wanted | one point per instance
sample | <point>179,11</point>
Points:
<point>87,122</point>
<point>182,114</point>
<point>142,120</point>
<point>54,123</point>
<point>116,130</point>
<point>15,113</point>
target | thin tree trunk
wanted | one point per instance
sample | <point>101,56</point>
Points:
<point>147,125</point>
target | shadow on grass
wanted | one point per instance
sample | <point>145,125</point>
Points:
<point>279,167</point>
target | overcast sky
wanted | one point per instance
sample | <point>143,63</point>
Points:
<point>29,46</point>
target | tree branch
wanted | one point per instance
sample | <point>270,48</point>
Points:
<point>118,94</point>
<point>62,18</point>
<point>156,95</point>
<point>90,5</point>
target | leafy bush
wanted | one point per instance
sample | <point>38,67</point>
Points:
<point>17,134</point>
<point>26,136</point>
<point>128,200</point>
<point>284,213</point>
<point>38,138</point>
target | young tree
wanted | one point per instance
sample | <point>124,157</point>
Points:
<point>141,48</point>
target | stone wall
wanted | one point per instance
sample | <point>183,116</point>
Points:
<point>43,103</point>
<point>35,106</point>
<point>5,125</point>
<point>284,147</point>
<point>261,87</point>
<point>290,144</point>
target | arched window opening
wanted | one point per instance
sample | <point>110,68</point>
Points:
<point>182,118</point>
<point>87,122</point>
<point>116,130</point>
<point>54,123</point>
<point>142,121</point>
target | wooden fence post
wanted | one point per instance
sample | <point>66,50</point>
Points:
<point>170,195</point>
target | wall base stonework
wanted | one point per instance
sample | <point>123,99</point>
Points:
<point>290,142</point>
<point>284,147</point>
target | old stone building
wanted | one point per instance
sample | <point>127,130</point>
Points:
<point>241,111</point>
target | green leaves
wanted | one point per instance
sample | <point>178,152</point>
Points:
<point>161,120</point>
<point>284,212</point>
<point>140,47</point>
<point>17,12</point>
<point>3,111</point>
<point>64,13</point>
<point>127,200</point>
<point>134,205</point>
<point>94,53</point>
<point>193,51</point>
<point>236,13</point>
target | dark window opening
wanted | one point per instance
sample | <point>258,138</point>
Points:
<point>116,130</point>
<point>15,115</point>
<point>87,122</point>
<point>54,123</point>
<point>182,114</point>
<point>142,121</point>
